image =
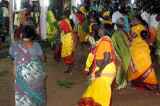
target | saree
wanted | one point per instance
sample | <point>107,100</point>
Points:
<point>141,72</point>
<point>52,36</point>
<point>69,42</point>
<point>52,31</point>
<point>122,52</point>
<point>99,91</point>
<point>81,34</point>
<point>29,77</point>
<point>153,34</point>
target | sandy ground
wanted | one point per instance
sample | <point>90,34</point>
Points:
<point>61,96</point>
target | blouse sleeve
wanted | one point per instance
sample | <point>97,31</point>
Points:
<point>40,52</point>
<point>62,25</point>
<point>103,47</point>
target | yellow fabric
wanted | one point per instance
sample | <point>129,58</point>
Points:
<point>53,19</point>
<point>107,13</point>
<point>90,58</point>
<point>82,9</point>
<point>100,88</point>
<point>101,50</point>
<point>87,37</point>
<point>67,45</point>
<point>89,61</point>
<point>137,29</point>
<point>81,34</point>
<point>90,27</point>
<point>142,61</point>
<point>106,22</point>
<point>22,16</point>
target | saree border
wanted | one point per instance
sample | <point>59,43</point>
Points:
<point>138,82</point>
<point>88,101</point>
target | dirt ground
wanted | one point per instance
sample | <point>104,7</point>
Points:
<point>61,96</point>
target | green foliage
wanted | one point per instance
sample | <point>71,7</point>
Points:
<point>64,83</point>
<point>89,80</point>
<point>85,26</point>
<point>158,46</point>
<point>4,73</point>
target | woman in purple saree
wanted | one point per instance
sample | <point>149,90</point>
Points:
<point>29,74</point>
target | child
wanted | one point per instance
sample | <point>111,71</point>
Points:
<point>28,20</point>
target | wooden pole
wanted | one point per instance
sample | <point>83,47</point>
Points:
<point>11,21</point>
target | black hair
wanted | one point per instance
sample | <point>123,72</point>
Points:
<point>27,14</point>
<point>66,14</point>
<point>128,7</point>
<point>94,2</point>
<point>144,34</point>
<point>143,22</point>
<point>108,29</point>
<point>28,32</point>
<point>115,8</point>
<point>124,12</point>
<point>96,18</point>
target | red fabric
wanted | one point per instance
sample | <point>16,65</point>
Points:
<point>80,17</point>
<point>68,60</point>
<point>152,11</point>
<point>126,34</point>
<point>64,26</point>
<point>102,13</point>
<point>88,101</point>
<point>19,30</point>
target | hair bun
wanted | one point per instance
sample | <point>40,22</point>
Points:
<point>28,32</point>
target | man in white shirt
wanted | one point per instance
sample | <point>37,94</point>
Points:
<point>146,15</point>
<point>116,15</point>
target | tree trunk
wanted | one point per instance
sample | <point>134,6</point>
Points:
<point>11,20</point>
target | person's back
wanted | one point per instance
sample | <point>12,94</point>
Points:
<point>153,21</point>
<point>33,48</point>
<point>28,71</point>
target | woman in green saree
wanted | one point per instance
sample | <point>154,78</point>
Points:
<point>122,52</point>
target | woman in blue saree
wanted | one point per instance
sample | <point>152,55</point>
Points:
<point>29,75</point>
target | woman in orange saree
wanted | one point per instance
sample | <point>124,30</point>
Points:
<point>104,72</point>
<point>141,71</point>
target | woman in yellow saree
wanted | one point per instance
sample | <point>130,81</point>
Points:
<point>141,71</point>
<point>103,74</point>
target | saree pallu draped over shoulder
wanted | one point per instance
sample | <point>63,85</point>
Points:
<point>29,79</point>
<point>141,72</point>
<point>122,52</point>
<point>99,92</point>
